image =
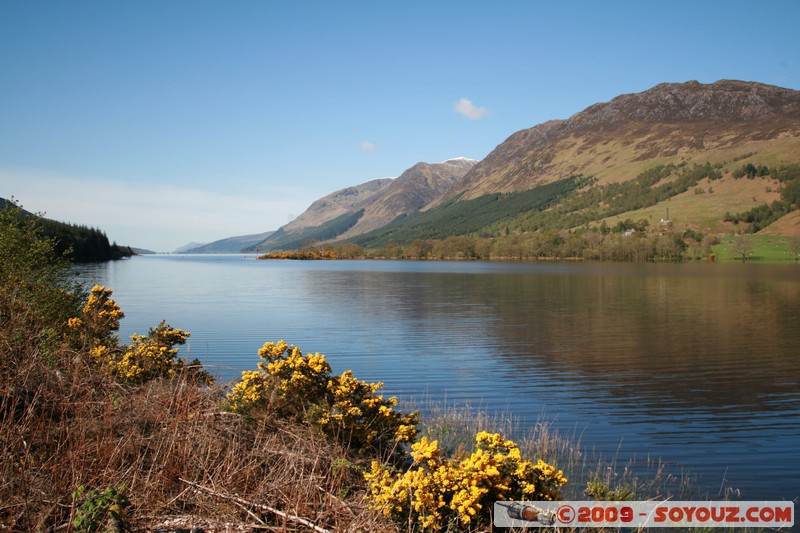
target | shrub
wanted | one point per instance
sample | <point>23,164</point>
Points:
<point>437,492</point>
<point>37,292</point>
<point>300,386</point>
<point>601,490</point>
<point>99,319</point>
<point>147,357</point>
<point>363,418</point>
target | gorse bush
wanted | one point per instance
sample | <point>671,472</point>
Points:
<point>286,381</point>
<point>360,415</point>
<point>421,486</point>
<point>150,356</point>
<point>437,492</point>
<point>100,318</point>
<point>300,386</point>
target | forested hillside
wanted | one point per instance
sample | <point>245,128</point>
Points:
<point>77,243</point>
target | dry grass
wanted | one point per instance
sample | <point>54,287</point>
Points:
<point>181,458</point>
<point>186,463</point>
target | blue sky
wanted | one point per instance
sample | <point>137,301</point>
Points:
<point>164,122</point>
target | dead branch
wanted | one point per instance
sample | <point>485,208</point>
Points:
<point>236,499</point>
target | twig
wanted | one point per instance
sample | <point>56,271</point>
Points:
<point>236,499</point>
<point>337,500</point>
<point>220,413</point>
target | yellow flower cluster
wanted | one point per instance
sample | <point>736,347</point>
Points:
<point>151,356</point>
<point>103,309</point>
<point>101,316</point>
<point>148,357</point>
<point>438,493</point>
<point>293,372</point>
<point>362,417</point>
<point>248,393</point>
<point>301,386</point>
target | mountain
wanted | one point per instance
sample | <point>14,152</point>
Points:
<point>677,151</point>
<point>355,210</point>
<point>413,190</point>
<point>142,251</point>
<point>229,245</point>
<point>188,246</point>
<point>336,204</point>
<point>616,140</point>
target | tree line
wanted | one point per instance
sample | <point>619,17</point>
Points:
<point>608,244</point>
<point>77,243</point>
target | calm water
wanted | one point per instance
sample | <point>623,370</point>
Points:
<point>695,364</point>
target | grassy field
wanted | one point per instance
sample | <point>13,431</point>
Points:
<point>704,211</point>
<point>765,249</point>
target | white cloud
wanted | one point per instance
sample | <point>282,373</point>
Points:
<point>367,146</point>
<point>466,107</point>
<point>158,217</point>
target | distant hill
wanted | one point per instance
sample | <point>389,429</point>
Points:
<point>412,191</point>
<point>230,244</point>
<point>336,204</point>
<point>355,210</point>
<point>188,246</point>
<point>677,151</point>
<point>142,251</point>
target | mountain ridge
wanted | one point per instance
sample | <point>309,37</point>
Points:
<point>228,245</point>
<point>355,210</point>
<point>337,203</point>
<point>668,120</point>
<point>412,191</point>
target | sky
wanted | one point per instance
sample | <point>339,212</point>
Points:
<point>167,122</point>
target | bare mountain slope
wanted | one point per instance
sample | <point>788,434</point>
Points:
<point>336,204</point>
<point>413,190</point>
<point>616,140</point>
<point>355,210</point>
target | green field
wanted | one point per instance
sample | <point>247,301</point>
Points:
<point>764,249</point>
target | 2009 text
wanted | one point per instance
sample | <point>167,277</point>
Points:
<point>644,514</point>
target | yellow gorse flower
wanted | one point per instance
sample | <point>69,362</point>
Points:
<point>248,392</point>
<point>436,491</point>
<point>147,357</point>
<point>301,386</point>
<point>101,312</point>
